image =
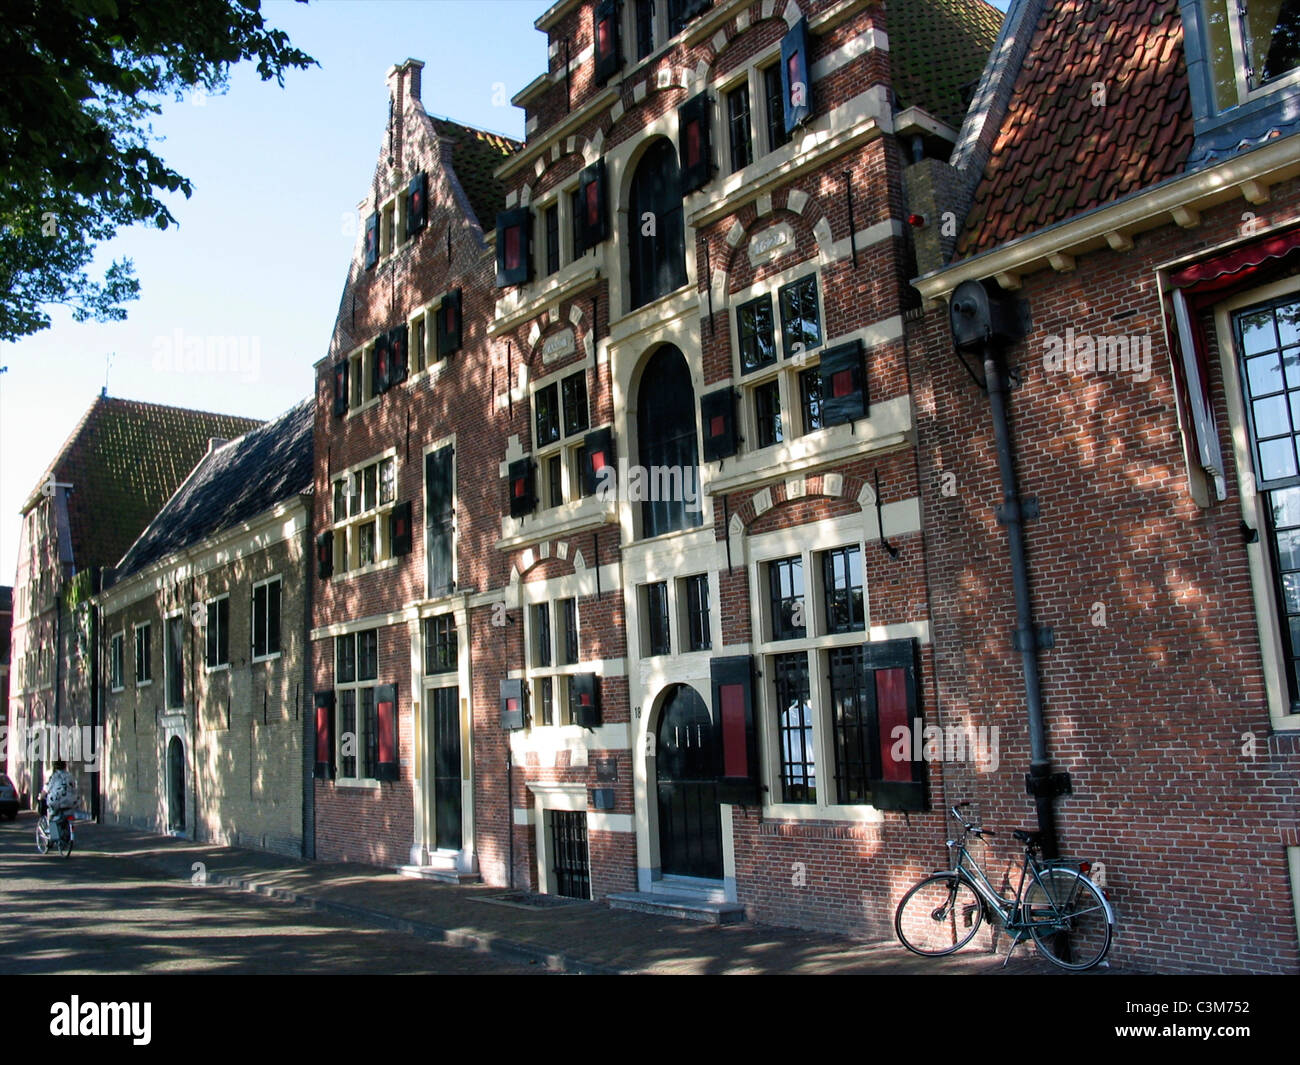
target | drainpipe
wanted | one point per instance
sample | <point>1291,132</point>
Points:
<point>984,323</point>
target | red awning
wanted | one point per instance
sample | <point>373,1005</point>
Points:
<point>1232,268</point>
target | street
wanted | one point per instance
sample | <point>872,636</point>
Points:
<point>107,913</point>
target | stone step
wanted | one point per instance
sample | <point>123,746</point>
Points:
<point>443,875</point>
<point>683,907</point>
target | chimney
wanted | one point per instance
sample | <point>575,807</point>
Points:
<point>403,83</point>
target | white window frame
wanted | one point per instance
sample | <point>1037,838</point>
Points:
<point>346,530</point>
<point>207,605</point>
<point>354,686</point>
<point>252,621</point>
<point>560,674</point>
<point>135,630</point>
<point>785,370</point>
<point>429,449</point>
<point>116,664</point>
<point>568,446</point>
<point>361,366</point>
<point>1263,579</point>
<point>1244,93</point>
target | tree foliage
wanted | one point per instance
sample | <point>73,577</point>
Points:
<point>81,81</point>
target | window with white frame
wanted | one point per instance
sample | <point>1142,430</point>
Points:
<point>116,680</point>
<point>552,645</point>
<point>361,377</point>
<point>560,423</point>
<point>356,680</point>
<point>216,634</point>
<point>440,645</point>
<point>655,626</point>
<point>266,619</point>
<point>143,654</point>
<point>1253,48</point>
<point>775,334</point>
<point>363,497</point>
<point>695,622</point>
<point>174,661</point>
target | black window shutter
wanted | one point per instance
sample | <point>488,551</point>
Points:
<point>417,206</point>
<point>733,703</point>
<point>397,354</point>
<point>844,385</point>
<point>693,149</point>
<point>893,700</point>
<point>512,704</point>
<point>380,365</point>
<point>439,513</point>
<point>325,555</point>
<point>325,735</point>
<point>514,251</point>
<point>399,528</point>
<point>448,320</point>
<point>386,737</point>
<point>796,81</point>
<point>372,240</point>
<point>523,497</point>
<point>340,388</point>
<point>605,36</point>
<point>599,447</point>
<point>586,700</point>
<point>718,416</point>
<point>593,213</point>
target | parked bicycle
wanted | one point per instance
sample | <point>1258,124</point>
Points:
<point>57,831</point>
<point>1066,915</point>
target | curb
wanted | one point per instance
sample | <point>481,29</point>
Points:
<point>464,939</point>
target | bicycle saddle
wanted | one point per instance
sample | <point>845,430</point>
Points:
<point>1031,838</point>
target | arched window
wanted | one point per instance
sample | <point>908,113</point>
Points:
<point>656,228</point>
<point>665,422</point>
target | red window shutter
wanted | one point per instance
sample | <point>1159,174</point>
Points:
<point>893,702</point>
<point>841,383</point>
<point>737,731</point>
<point>386,738</point>
<point>324,735</point>
<point>513,256</point>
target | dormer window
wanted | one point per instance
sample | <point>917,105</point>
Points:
<point>1253,47</point>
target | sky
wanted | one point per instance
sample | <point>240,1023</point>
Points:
<point>262,250</point>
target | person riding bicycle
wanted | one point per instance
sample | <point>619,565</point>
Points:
<point>59,794</point>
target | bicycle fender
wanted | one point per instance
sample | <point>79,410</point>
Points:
<point>1110,910</point>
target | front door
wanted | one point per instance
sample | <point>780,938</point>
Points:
<point>446,768</point>
<point>175,785</point>
<point>686,764</point>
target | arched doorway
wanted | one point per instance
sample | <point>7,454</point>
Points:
<point>686,768</point>
<point>175,785</point>
<point>665,426</point>
<point>656,226</point>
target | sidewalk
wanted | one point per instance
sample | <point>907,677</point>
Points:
<point>573,937</point>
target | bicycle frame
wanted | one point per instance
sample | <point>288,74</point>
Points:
<point>1009,911</point>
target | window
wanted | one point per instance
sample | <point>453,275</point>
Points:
<point>775,385</point>
<point>175,662</point>
<point>115,673</point>
<point>568,647</point>
<point>541,634</point>
<point>440,654</point>
<point>419,343</point>
<point>810,399</point>
<point>439,521</point>
<point>216,634</point>
<point>767,413</point>
<point>698,635</point>
<point>668,444</point>
<point>143,659</point>
<point>356,672</point>
<point>552,219</point>
<point>849,725</point>
<point>742,142</point>
<point>266,619</point>
<point>774,104</point>
<point>801,328</point>
<point>658,640</point>
<point>1253,47</point>
<point>795,728</point>
<point>842,584</point>
<point>645,30</point>
<point>656,227</point>
<point>785,586</point>
<point>363,500</point>
<point>560,413</point>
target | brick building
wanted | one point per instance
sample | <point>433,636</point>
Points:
<point>119,465</point>
<point>204,643</point>
<point>1133,177</point>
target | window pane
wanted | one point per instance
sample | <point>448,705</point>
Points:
<point>345,659</point>
<point>767,413</point>
<point>368,655</point>
<point>742,146</point>
<point>850,712</point>
<point>1271,418</point>
<point>800,322</point>
<point>657,619</point>
<point>542,634</point>
<point>755,334</point>
<point>546,701</point>
<point>645,36</point>
<point>387,481</point>
<point>340,501</point>
<point>810,398</point>
<point>842,584</point>
<point>555,480</point>
<point>795,725</point>
<point>1277,459</point>
<point>1264,374</point>
<point>348,733</point>
<point>370,732</point>
<point>440,648</point>
<point>548,416</point>
<point>785,581</point>
<point>371,479</point>
<point>367,541</point>
<point>1257,333</point>
<point>575,403</point>
<point>259,619</point>
<point>552,239</point>
<point>774,102</point>
<point>569,618</point>
<point>1272,38</point>
<point>273,618</point>
<point>697,611</point>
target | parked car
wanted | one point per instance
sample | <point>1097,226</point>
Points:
<point>8,798</point>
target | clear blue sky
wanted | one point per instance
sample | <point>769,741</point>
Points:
<point>264,244</point>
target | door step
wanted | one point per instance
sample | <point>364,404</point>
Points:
<point>442,869</point>
<point>686,906</point>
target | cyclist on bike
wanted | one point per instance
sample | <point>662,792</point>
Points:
<point>59,795</point>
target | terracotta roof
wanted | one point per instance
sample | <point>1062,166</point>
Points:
<point>231,484</point>
<point>938,50</point>
<point>475,155</point>
<point>123,460</point>
<point>1058,153</point>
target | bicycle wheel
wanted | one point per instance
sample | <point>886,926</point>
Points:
<point>939,915</point>
<point>1067,918</point>
<point>65,841</point>
<point>42,840</point>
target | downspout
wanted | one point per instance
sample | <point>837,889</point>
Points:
<point>96,697</point>
<point>308,688</point>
